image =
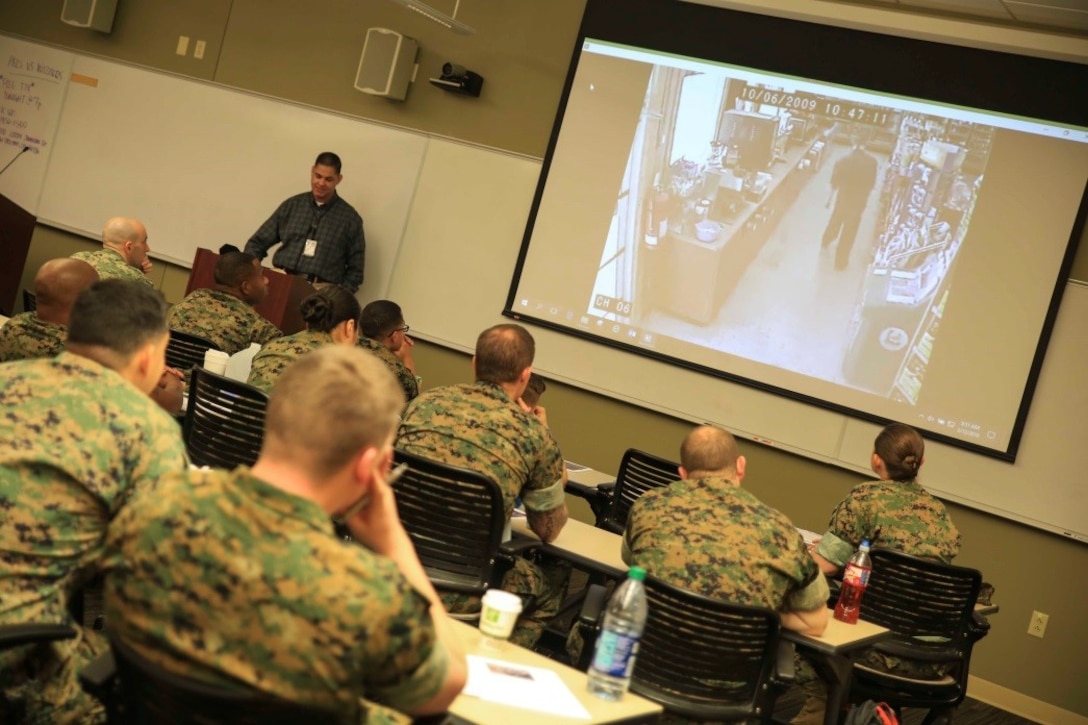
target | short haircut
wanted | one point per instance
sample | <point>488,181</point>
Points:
<point>328,158</point>
<point>902,449</point>
<point>228,248</point>
<point>234,268</point>
<point>119,315</point>
<point>534,390</point>
<point>329,405</point>
<point>380,318</point>
<point>326,309</point>
<point>709,448</point>
<point>59,281</point>
<point>503,352</point>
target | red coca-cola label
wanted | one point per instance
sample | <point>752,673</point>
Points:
<point>856,575</point>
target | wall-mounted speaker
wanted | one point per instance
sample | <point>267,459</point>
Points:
<point>388,64</point>
<point>93,14</point>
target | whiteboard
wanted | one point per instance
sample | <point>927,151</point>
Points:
<point>33,81</point>
<point>453,272</point>
<point>203,165</point>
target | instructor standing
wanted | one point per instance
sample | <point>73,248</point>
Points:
<point>322,234</point>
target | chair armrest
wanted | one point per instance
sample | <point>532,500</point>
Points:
<point>14,635</point>
<point>784,672</point>
<point>920,650</point>
<point>518,546</point>
<point>99,677</point>
<point>978,627</point>
<point>593,605</point>
<point>598,497</point>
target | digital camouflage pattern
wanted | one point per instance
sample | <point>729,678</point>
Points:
<point>219,576</point>
<point>111,265</point>
<point>477,426</point>
<point>24,337</point>
<point>273,359</point>
<point>896,515</point>
<point>78,441</point>
<point>223,319</point>
<point>712,537</point>
<point>405,377</point>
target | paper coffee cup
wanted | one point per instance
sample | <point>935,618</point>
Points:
<point>215,361</point>
<point>499,612</point>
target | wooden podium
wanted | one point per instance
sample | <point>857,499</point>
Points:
<point>16,229</point>
<point>285,291</point>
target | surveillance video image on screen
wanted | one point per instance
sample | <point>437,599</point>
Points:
<point>880,254</point>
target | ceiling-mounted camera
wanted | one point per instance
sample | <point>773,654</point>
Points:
<point>458,79</point>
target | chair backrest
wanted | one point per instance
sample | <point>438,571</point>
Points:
<point>150,694</point>
<point>455,518</point>
<point>639,472</point>
<point>917,597</point>
<point>704,658</point>
<point>224,422</point>
<point>30,300</point>
<point>185,350</point>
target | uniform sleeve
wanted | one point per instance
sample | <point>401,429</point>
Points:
<point>409,665</point>
<point>544,490</point>
<point>811,596</point>
<point>850,523</point>
<point>264,331</point>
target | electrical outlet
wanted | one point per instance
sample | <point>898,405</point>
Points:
<point>183,44</point>
<point>198,50</point>
<point>1037,625</point>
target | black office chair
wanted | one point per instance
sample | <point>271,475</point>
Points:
<point>135,691</point>
<point>184,351</point>
<point>703,658</point>
<point>224,421</point>
<point>30,301</point>
<point>639,472</point>
<point>914,598</point>
<point>456,518</point>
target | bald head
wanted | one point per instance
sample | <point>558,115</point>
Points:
<point>56,286</point>
<point>711,451</point>
<point>127,236</point>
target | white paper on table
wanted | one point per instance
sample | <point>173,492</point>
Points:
<point>575,467</point>
<point>530,688</point>
<point>810,537</point>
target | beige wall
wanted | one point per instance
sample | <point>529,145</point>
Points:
<point>293,50</point>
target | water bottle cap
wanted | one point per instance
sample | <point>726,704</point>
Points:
<point>864,545</point>
<point>637,573</point>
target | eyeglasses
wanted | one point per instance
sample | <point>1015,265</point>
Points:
<point>399,329</point>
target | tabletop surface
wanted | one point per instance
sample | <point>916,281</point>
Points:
<point>630,708</point>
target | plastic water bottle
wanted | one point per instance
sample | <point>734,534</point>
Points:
<point>617,645</point>
<point>854,580</point>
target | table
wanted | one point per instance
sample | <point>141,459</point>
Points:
<point>582,544</point>
<point>833,652</point>
<point>630,709</point>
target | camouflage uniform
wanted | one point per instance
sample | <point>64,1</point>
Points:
<point>222,318</point>
<point>111,265</point>
<point>712,537</point>
<point>273,359</point>
<point>78,439</point>
<point>477,426</point>
<point>25,336</point>
<point>405,377</point>
<point>898,515</point>
<point>219,576</point>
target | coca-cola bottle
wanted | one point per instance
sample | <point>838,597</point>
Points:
<point>854,580</point>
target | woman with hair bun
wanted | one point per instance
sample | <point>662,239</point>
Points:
<point>893,513</point>
<point>331,316</point>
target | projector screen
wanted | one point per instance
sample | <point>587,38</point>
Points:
<point>879,233</point>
